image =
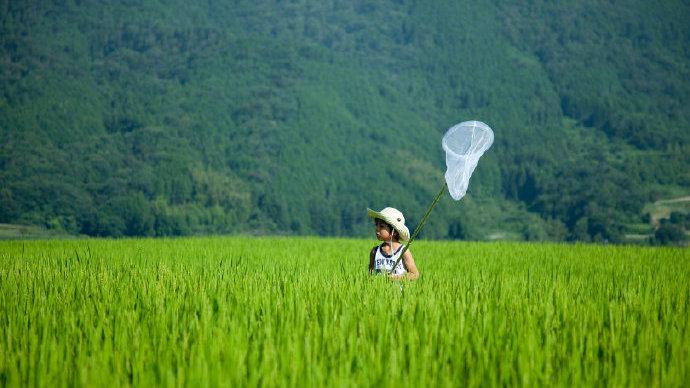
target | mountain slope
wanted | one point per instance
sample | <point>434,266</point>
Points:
<point>282,117</point>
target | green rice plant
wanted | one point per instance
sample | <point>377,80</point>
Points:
<point>305,312</point>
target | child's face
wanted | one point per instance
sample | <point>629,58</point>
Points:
<point>383,230</point>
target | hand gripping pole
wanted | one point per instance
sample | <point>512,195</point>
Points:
<point>421,224</point>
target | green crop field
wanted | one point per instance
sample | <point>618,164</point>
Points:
<point>303,311</point>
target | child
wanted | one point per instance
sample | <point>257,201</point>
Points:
<point>391,229</point>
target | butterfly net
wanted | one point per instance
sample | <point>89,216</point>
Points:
<point>464,144</point>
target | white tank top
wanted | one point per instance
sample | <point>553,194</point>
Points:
<point>382,262</point>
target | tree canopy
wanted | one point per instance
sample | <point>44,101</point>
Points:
<point>291,117</point>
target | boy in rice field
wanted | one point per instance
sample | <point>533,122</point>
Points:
<point>391,229</point>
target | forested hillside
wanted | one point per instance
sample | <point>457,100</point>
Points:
<point>292,117</point>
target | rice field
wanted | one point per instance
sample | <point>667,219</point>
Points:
<point>240,311</point>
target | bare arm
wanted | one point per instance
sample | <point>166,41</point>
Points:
<point>412,271</point>
<point>371,260</point>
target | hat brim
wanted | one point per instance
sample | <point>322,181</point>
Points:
<point>403,231</point>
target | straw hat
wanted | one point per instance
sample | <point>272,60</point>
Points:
<point>395,218</point>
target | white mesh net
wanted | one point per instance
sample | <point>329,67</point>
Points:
<point>464,144</point>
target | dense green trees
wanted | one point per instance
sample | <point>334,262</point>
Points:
<point>290,117</point>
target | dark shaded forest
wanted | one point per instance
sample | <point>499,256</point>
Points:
<point>290,117</point>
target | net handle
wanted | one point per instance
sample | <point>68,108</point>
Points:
<point>420,226</point>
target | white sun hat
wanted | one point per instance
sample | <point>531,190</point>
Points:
<point>393,217</point>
